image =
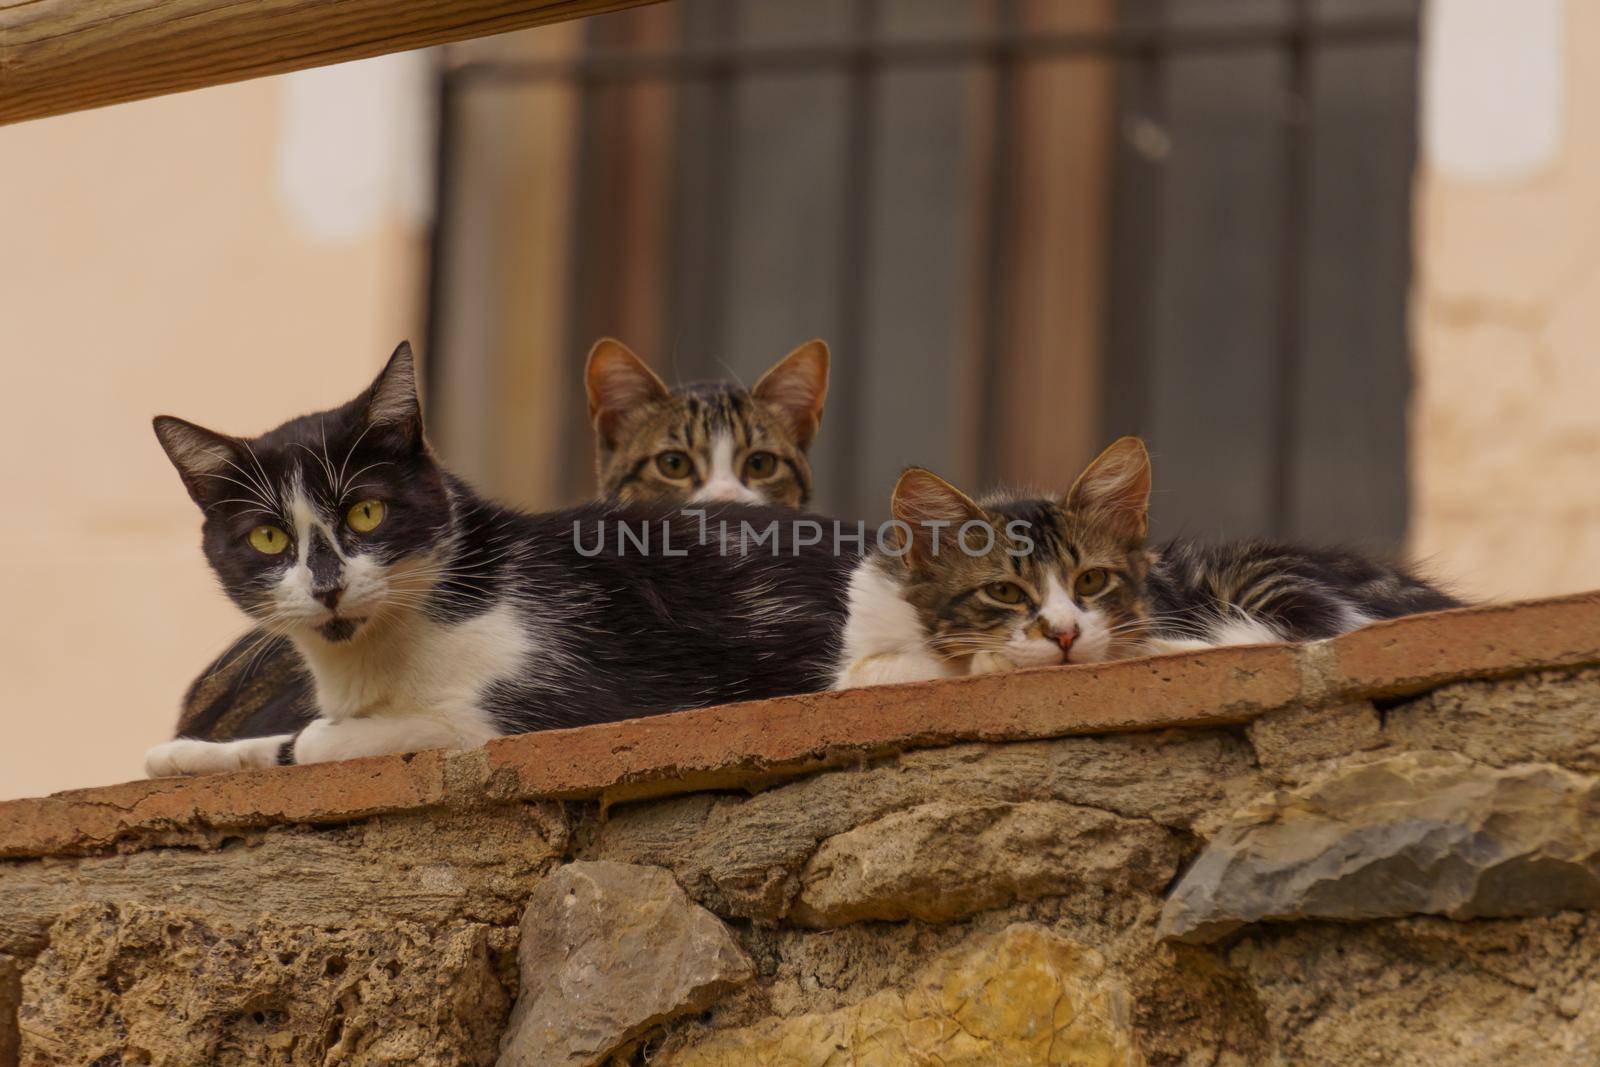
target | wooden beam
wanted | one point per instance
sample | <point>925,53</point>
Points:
<point>66,55</point>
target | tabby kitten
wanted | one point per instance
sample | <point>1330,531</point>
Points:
<point>1021,582</point>
<point>429,617</point>
<point>706,442</point>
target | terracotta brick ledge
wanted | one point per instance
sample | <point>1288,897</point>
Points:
<point>748,744</point>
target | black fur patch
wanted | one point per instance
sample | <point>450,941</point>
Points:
<point>639,634</point>
<point>337,630</point>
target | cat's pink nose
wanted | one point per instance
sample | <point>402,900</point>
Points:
<point>1064,638</point>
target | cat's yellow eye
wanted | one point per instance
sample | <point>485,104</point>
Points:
<point>674,465</point>
<point>1091,582</point>
<point>366,516</point>
<point>760,465</point>
<point>268,540</point>
<point>1005,592</point>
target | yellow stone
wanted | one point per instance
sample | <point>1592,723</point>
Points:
<point>1023,997</point>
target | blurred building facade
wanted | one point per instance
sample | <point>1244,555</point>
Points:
<point>1505,430</point>
<point>232,256</point>
<point>1025,226</point>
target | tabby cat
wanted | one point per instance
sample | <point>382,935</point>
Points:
<point>1025,582</point>
<point>703,442</point>
<point>428,616</point>
<point>708,441</point>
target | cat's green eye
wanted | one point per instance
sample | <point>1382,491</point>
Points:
<point>1091,582</point>
<point>674,465</point>
<point>366,516</point>
<point>1005,592</point>
<point>760,465</point>
<point>268,540</point>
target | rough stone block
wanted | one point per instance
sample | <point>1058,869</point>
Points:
<point>10,1002</point>
<point>609,951</point>
<point>1022,996</point>
<point>1428,992</point>
<point>1551,716</point>
<point>415,867</point>
<point>147,986</point>
<point>1295,738</point>
<point>743,857</point>
<point>943,861</point>
<point>1412,834</point>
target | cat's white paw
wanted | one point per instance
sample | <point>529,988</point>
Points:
<point>189,757</point>
<point>891,669</point>
<point>1161,646</point>
<point>990,663</point>
<point>856,675</point>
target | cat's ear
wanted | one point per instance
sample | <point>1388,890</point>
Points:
<point>796,387</point>
<point>391,404</point>
<point>1116,489</point>
<point>934,510</point>
<point>205,459</point>
<point>618,382</point>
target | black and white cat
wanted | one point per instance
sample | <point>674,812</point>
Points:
<point>430,617</point>
<point>703,443</point>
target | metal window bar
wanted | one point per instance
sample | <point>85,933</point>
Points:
<point>1291,262</point>
<point>864,57</point>
<point>997,233</point>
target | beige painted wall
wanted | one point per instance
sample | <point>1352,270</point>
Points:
<point>152,260</point>
<point>1506,420</point>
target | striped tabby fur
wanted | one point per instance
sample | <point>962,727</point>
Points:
<point>1071,580</point>
<point>714,441</point>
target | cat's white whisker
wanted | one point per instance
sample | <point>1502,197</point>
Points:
<point>339,481</point>
<point>265,504</point>
<point>267,481</point>
<point>327,460</point>
<point>257,485</point>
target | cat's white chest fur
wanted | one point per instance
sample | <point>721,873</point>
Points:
<point>412,662</point>
<point>414,676</point>
<point>884,641</point>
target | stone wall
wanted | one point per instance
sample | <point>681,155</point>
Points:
<point>1381,849</point>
